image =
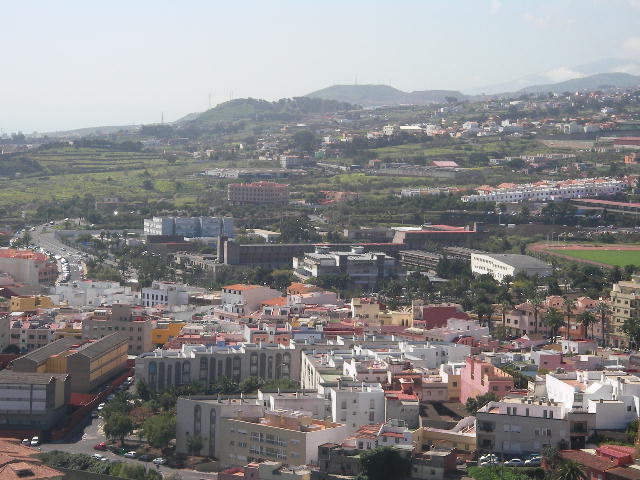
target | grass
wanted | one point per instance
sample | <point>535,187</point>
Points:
<point>608,257</point>
<point>494,473</point>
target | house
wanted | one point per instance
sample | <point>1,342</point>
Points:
<point>479,378</point>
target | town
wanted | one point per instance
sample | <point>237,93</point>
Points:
<point>354,282</point>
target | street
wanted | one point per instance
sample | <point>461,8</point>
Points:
<point>84,442</point>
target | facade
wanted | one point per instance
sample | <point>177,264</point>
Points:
<point>258,193</point>
<point>81,293</point>
<point>625,304</point>
<point>191,227</point>
<point>289,436</point>
<point>33,401</point>
<point>548,190</point>
<point>29,333</point>
<point>28,267</point>
<point>30,303</point>
<point>366,270</point>
<point>121,318</point>
<point>478,378</point>
<point>368,437</point>
<point>161,369</point>
<point>517,426</point>
<point>165,293</point>
<point>357,404</point>
<point>89,364</point>
<point>506,264</point>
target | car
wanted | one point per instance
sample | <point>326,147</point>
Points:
<point>489,463</point>
<point>35,441</point>
<point>110,397</point>
<point>131,454</point>
<point>159,461</point>
<point>144,458</point>
<point>532,462</point>
<point>26,441</point>
<point>489,456</point>
<point>94,414</point>
<point>533,455</point>
<point>175,463</point>
<point>100,446</point>
<point>97,456</point>
<point>514,462</point>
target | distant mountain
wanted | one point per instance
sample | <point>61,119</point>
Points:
<point>83,132</point>
<point>592,82</point>
<point>285,109</point>
<point>378,95</point>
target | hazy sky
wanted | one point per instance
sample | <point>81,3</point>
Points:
<point>70,64</point>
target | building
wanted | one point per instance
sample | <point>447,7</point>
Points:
<point>121,318</point>
<point>390,434</point>
<point>191,227</point>
<point>17,462</point>
<point>161,369</point>
<point>610,462</point>
<point>267,235</point>
<point>289,436</point>
<point>356,404</point>
<point>165,293</point>
<point>89,364</point>
<point>366,270</point>
<point>267,470</point>
<point>33,401</point>
<point>517,426</point>
<point>82,293</point>
<point>165,331</point>
<point>238,431</point>
<point>500,265</point>
<point>241,299</point>
<point>29,333</point>
<point>28,267</point>
<point>258,193</point>
<point>462,436</point>
<point>546,191</point>
<point>625,305</point>
<point>478,378</point>
<point>29,303</point>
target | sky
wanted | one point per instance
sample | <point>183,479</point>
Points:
<point>70,64</point>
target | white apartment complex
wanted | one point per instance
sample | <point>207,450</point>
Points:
<point>500,265</point>
<point>545,191</point>
<point>191,227</point>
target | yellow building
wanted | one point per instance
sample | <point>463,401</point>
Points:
<point>625,305</point>
<point>461,437</point>
<point>397,319</point>
<point>166,331</point>
<point>30,303</point>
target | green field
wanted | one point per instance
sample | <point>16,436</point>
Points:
<point>608,257</point>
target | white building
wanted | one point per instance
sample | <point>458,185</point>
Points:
<point>166,293</point>
<point>240,299</point>
<point>357,404</point>
<point>503,264</point>
<point>189,226</point>
<point>457,328</point>
<point>545,191</point>
<point>81,293</point>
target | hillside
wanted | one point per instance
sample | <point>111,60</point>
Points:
<point>377,95</point>
<point>285,109</point>
<point>591,82</point>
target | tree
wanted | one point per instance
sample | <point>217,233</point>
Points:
<point>631,327</point>
<point>604,310</point>
<point>11,349</point>
<point>474,404</point>
<point>569,470</point>
<point>551,457</point>
<point>142,390</point>
<point>194,444</point>
<point>385,463</point>
<point>553,319</point>
<point>159,430</point>
<point>569,306</point>
<point>305,140</point>
<point>118,426</point>
<point>587,319</point>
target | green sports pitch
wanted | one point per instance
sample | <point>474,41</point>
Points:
<point>607,257</point>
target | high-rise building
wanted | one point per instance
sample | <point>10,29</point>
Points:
<point>189,226</point>
<point>625,305</point>
<point>258,193</point>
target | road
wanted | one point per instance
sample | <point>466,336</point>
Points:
<point>92,434</point>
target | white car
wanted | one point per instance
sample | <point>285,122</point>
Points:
<point>35,441</point>
<point>489,463</point>
<point>159,461</point>
<point>131,454</point>
<point>487,457</point>
<point>97,456</point>
<point>532,462</point>
<point>514,462</point>
<point>26,442</point>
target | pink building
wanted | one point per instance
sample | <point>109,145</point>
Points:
<point>478,378</point>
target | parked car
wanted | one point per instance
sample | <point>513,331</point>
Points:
<point>514,462</point>
<point>94,414</point>
<point>487,457</point>
<point>175,463</point>
<point>144,458</point>
<point>35,441</point>
<point>97,456</point>
<point>100,446</point>
<point>532,462</point>
<point>159,461</point>
<point>131,454</point>
<point>489,463</point>
<point>26,441</point>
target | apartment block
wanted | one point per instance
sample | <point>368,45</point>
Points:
<point>478,378</point>
<point>121,318</point>
<point>191,227</point>
<point>28,267</point>
<point>625,305</point>
<point>33,401</point>
<point>258,193</point>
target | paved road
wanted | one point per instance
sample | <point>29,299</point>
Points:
<point>92,434</point>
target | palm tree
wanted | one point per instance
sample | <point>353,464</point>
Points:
<point>554,319</point>
<point>604,310</point>
<point>587,319</point>
<point>569,305</point>
<point>537,300</point>
<point>569,470</point>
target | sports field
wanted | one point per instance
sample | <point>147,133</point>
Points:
<point>608,257</point>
